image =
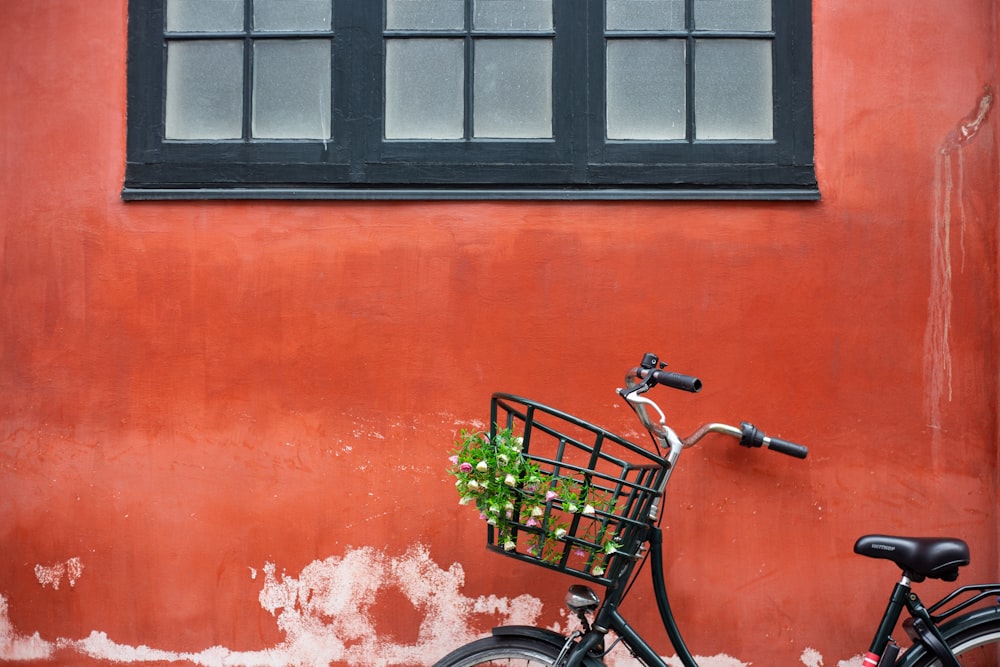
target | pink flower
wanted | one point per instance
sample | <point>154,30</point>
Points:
<point>551,495</point>
<point>532,523</point>
<point>465,467</point>
<point>453,459</point>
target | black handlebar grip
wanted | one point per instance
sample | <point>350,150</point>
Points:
<point>678,381</point>
<point>786,447</point>
<point>751,436</point>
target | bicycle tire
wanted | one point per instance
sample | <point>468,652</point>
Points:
<point>975,645</point>
<point>505,651</point>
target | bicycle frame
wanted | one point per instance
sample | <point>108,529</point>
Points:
<point>922,626</point>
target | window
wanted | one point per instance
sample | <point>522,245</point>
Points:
<point>470,98</point>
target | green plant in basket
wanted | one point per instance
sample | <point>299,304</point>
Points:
<point>511,490</point>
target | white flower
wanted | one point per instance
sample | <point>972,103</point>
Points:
<point>571,508</point>
<point>597,571</point>
<point>509,506</point>
<point>588,510</point>
<point>465,500</point>
<point>509,545</point>
<point>502,459</point>
<point>610,548</point>
<point>482,466</point>
<point>510,480</point>
<point>537,511</point>
<point>473,485</point>
<point>560,533</point>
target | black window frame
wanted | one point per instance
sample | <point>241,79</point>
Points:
<point>577,163</point>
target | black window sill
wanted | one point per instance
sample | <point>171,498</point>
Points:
<point>792,193</point>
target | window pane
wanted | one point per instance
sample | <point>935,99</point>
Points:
<point>424,14</point>
<point>280,15</point>
<point>201,16</point>
<point>204,90</point>
<point>424,81</point>
<point>646,89</point>
<point>512,15</point>
<point>645,14</point>
<point>291,89</point>
<point>732,14</point>
<point>513,88</point>
<point>733,98</point>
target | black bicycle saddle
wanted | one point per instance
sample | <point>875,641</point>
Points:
<point>919,557</point>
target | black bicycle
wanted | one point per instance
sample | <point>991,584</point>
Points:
<point>587,503</point>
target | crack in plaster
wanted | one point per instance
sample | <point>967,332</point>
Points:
<point>949,198</point>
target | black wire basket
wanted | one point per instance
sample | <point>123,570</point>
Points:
<point>585,510</point>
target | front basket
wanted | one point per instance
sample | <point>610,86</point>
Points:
<point>595,525</point>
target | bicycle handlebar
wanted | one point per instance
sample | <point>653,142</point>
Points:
<point>748,434</point>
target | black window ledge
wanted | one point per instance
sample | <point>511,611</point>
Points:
<point>792,193</point>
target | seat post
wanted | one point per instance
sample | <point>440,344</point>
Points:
<point>897,602</point>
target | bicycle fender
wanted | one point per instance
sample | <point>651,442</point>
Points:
<point>548,636</point>
<point>963,623</point>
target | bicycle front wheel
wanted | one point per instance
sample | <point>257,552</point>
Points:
<point>505,651</point>
<point>975,646</point>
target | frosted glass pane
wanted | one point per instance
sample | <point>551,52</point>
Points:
<point>646,89</point>
<point>204,90</point>
<point>645,14</point>
<point>512,15</point>
<point>291,89</point>
<point>732,14</point>
<point>278,15</point>
<point>733,89</point>
<point>513,88</point>
<point>202,15</point>
<point>424,96</point>
<point>424,14</point>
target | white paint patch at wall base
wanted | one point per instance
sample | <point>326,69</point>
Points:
<point>17,647</point>
<point>329,614</point>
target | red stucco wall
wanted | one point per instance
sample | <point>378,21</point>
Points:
<point>205,407</point>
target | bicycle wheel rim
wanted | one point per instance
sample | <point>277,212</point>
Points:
<point>506,652</point>
<point>982,650</point>
<point>976,648</point>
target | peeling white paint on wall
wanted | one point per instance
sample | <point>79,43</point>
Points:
<point>52,575</point>
<point>621,658</point>
<point>329,614</point>
<point>811,658</point>
<point>16,647</point>
<point>856,661</point>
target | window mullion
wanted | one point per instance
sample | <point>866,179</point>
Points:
<point>691,127</point>
<point>470,73</point>
<point>361,49</point>
<point>247,70</point>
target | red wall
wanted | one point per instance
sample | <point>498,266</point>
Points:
<point>208,409</point>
